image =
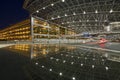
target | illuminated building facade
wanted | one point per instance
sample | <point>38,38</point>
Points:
<point>19,31</point>
<point>22,31</point>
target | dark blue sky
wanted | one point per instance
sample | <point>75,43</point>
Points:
<point>11,12</point>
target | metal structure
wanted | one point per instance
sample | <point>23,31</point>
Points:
<point>81,15</point>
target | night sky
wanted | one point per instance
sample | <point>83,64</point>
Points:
<point>11,12</point>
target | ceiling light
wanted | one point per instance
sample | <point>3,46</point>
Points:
<point>84,12</point>
<point>37,11</point>
<point>106,68</point>
<point>96,20</point>
<point>111,11</point>
<point>60,74</point>
<point>63,0</point>
<point>36,63</point>
<point>50,69</point>
<point>74,13</point>
<point>58,16</point>
<point>52,4</point>
<point>96,11</point>
<point>66,15</point>
<point>93,66</point>
<point>52,18</point>
<point>73,78</point>
<point>43,7</point>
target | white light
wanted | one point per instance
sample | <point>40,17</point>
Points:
<point>58,16</point>
<point>52,18</point>
<point>105,20</point>
<point>84,12</point>
<point>93,58</point>
<point>103,60</point>
<point>106,68</point>
<point>68,22</point>
<point>111,11</point>
<point>72,56</point>
<point>73,21</point>
<point>72,62</point>
<point>85,57</point>
<point>63,0</point>
<point>66,15</point>
<point>96,11</point>
<point>51,57</point>
<point>96,20</point>
<point>67,55</point>
<point>64,61</point>
<point>73,78</point>
<point>108,28</point>
<point>57,59</point>
<point>81,64</point>
<point>60,74</point>
<point>43,7</point>
<point>52,4</point>
<point>37,11</point>
<point>36,63</point>
<point>93,66</point>
<point>61,54</point>
<point>87,20</point>
<point>78,57</point>
<point>43,66</point>
<point>74,13</point>
<point>50,69</point>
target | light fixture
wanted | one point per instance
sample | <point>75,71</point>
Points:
<point>43,7</point>
<point>93,66</point>
<point>96,11</point>
<point>57,59</point>
<point>60,73</point>
<point>51,57</point>
<point>64,61</point>
<point>52,18</point>
<point>72,62</point>
<point>37,11</point>
<point>81,64</point>
<point>43,66</point>
<point>84,12</point>
<point>36,63</point>
<point>74,13</point>
<point>58,16</point>
<point>66,15</point>
<point>73,78</point>
<point>96,20</point>
<point>111,11</point>
<point>62,23</point>
<point>50,69</point>
<point>52,4</point>
<point>68,22</point>
<point>63,0</point>
<point>106,68</point>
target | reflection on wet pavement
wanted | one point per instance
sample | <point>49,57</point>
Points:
<point>69,62</point>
